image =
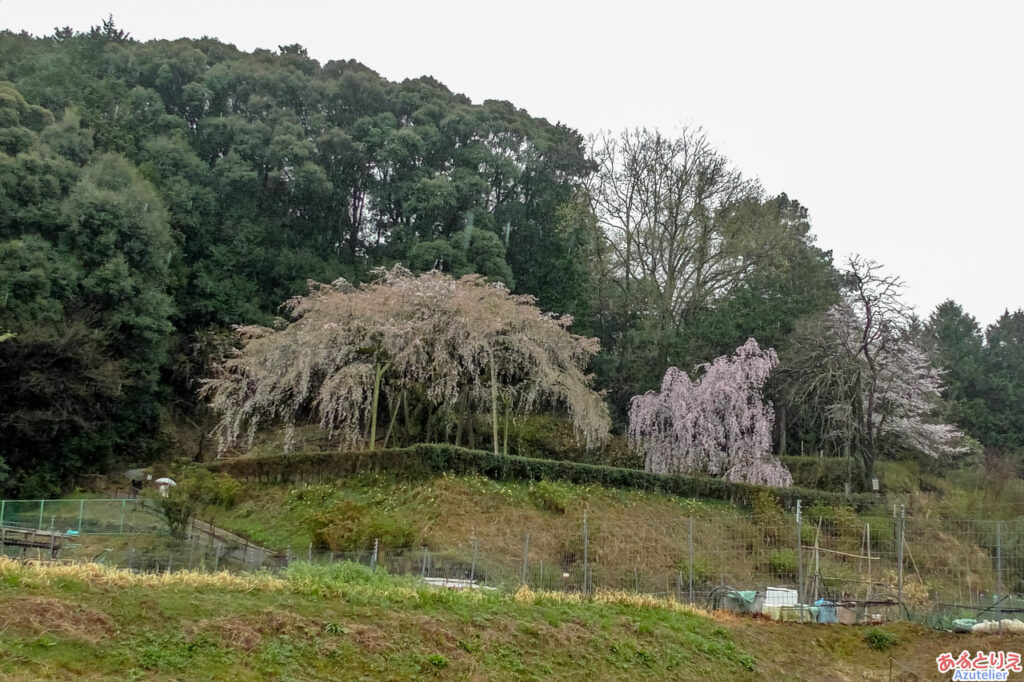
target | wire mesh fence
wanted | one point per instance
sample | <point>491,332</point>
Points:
<point>105,517</point>
<point>882,567</point>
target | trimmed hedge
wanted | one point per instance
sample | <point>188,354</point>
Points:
<point>826,473</point>
<point>421,461</point>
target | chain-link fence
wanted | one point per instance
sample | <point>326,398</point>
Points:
<point>106,517</point>
<point>886,567</point>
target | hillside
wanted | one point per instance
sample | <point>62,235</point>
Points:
<point>559,535</point>
<point>94,623</point>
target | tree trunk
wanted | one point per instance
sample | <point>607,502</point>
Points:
<point>378,372</point>
<point>460,418</point>
<point>505,449</point>
<point>494,402</point>
<point>405,411</point>
<point>782,430</point>
<point>394,418</point>
<point>428,428</point>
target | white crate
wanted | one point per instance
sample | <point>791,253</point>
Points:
<point>779,596</point>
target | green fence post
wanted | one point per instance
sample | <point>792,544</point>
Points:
<point>3,503</point>
<point>41,504</point>
<point>81,509</point>
<point>123,502</point>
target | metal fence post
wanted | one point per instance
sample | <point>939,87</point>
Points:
<point>3,503</point>
<point>472,568</point>
<point>287,554</point>
<point>526,552</point>
<point>124,503</point>
<point>41,504</point>
<point>586,562</point>
<point>899,552</point>
<point>999,571</point>
<point>373,558</point>
<point>81,511</point>
<point>799,555</point>
<point>690,562</point>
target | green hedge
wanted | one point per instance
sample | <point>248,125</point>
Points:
<point>431,460</point>
<point>826,473</point>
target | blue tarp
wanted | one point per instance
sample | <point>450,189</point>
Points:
<point>826,611</point>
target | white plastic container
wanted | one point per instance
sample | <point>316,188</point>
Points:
<point>779,596</point>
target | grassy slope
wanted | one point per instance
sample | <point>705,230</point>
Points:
<point>447,510</point>
<point>74,622</point>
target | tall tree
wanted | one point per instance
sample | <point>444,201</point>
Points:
<point>858,367</point>
<point>1003,391</point>
<point>85,261</point>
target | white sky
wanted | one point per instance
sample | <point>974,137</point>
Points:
<point>900,125</point>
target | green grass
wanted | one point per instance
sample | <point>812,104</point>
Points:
<point>342,622</point>
<point>444,511</point>
<point>347,622</point>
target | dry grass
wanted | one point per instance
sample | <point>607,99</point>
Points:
<point>248,632</point>
<point>35,616</point>
<point>44,574</point>
<point>41,574</point>
<point>615,597</point>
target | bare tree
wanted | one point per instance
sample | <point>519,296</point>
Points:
<point>858,367</point>
<point>678,218</point>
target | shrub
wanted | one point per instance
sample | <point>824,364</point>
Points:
<point>781,562</point>
<point>551,496</point>
<point>432,460</point>
<point>547,437</point>
<point>705,570</point>
<point>197,491</point>
<point>826,473</point>
<point>350,526</point>
<point>880,639</point>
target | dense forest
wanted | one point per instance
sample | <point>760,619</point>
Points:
<point>155,195</point>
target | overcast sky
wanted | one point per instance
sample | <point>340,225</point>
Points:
<point>900,125</point>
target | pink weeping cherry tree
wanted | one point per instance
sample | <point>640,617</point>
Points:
<point>716,424</point>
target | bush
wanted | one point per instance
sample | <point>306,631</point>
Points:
<point>350,526</point>
<point>705,570</point>
<point>782,563</point>
<point>547,437</point>
<point>551,496</point>
<point>880,639</point>
<point>197,491</point>
<point>420,461</point>
<point>826,473</point>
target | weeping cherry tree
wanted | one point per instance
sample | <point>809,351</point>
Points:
<point>461,346</point>
<point>716,424</point>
